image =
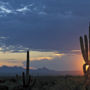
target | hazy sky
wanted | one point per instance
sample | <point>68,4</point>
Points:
<point>49,28</point>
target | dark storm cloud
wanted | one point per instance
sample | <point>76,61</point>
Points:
<point>51,24</point>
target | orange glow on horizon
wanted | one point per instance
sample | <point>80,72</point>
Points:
<point>80,63</point>
<point>9,64</point>
<point>17,59</point>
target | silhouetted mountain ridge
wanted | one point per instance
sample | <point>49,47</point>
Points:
<point>12,71</point>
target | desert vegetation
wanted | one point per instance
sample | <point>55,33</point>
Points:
<point>27,82</point>
<point>44,83</point>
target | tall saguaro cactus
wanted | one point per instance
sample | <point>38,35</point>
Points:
<point>27,79</point>
<point>85,49</point>
<point>27,67</point>
<point>89,38</point>
<point>27,83</point>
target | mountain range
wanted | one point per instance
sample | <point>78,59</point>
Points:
<point>12,71</point>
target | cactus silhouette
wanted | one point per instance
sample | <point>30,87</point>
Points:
<point>27,82</point>
<point>85,49</point>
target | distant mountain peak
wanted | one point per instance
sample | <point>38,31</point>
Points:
<point>44,68</point>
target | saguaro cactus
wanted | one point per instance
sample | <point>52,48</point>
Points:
<point>27,68</point>
<point>27,82</point>
<point>85,49</point>
<point>27,79</point>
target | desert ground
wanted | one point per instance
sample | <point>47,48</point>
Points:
<point>44,83</point>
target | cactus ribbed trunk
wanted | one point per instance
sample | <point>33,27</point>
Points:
<point>86,47</point>
<point>89,40</point>
<point>27,67</point>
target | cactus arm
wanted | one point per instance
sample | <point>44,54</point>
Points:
<point>86,47</point>
<point>85,71</point>
<point>23,77</point>
<point>84,68</point>
<point>82,48</point>
<point>33,83</point>
<point>29,81</point>
<point>17,78</point>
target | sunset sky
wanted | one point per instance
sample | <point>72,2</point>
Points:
<point>50,29</point>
